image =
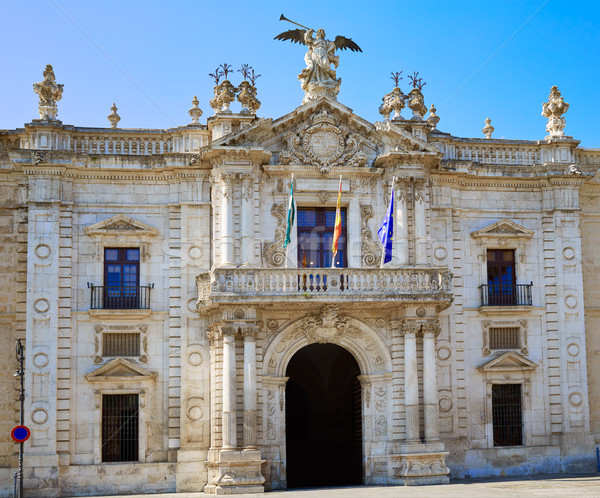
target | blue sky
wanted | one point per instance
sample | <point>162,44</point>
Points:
<point>479,58</point>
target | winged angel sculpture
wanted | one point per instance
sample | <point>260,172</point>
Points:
<point>318,77</point>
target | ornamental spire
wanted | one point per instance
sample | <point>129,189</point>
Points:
<point>50,93</point>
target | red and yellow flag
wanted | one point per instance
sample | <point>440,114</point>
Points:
<point>337,228</point>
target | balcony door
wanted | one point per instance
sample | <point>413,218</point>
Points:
<point>502,281</point>
<point>315,237</point>
<point>121,278</point>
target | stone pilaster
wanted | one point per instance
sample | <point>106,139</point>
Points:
<point>229,413</point>
<point>411,381</point>
<point>430,402</point>
<point>226,220</point>
<point>401,228</point>
<point>249,334</point>
<point>247,221</point>
<point>420,224</point>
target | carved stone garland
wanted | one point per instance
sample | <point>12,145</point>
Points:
<point>371,252</point>
<point>274,252</point>
<point>325,143</point>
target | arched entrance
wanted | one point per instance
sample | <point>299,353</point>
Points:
<point>323,418</point>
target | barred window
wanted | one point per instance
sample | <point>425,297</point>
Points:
<point>120,427</point>
<point>507,414</point>
<point>120,344</point>
<point>504,338</point>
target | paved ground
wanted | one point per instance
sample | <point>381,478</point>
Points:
<point>564,485</point>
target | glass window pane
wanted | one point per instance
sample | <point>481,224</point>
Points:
<point>307,217</point>
<point>111,254</point>
<point>133,254</point>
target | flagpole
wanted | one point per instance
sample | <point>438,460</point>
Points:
<point>287,246</point>
<point>383,251</point>
<point>337,211</point>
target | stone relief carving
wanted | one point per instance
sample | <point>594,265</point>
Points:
<point>324,143</point>
<point>326,325</point>
<point>371,251</point>
<point>274,252</point>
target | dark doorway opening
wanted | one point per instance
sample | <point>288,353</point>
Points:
<point>323,418</point>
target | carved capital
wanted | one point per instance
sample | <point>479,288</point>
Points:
<point>410,328</point>
<point>431,328</point>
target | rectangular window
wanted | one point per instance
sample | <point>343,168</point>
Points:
<point>120,344</point>
<point>502,289</point>
<point>120,427</point>
<point>507,414</point>
<point>315,238</point>
<point>121,278</point>
<point>504,338</point>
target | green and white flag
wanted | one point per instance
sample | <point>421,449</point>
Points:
<point>291,216</point>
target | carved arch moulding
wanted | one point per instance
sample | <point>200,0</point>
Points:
<point>328,326</point>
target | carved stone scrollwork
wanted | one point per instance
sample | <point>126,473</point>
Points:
<point>411,328</point>
<point>274,252</point>
<point>419,192</point>
<point>431,328</point>
<point>325,143</point>
<point>371,252</point>
<point>326,325</point>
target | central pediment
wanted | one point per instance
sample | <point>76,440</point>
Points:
<point>325,134</point>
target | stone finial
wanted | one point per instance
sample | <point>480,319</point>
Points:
<point>113,117</point>
<point>433,118</point>
<point>393,101</point>
<point>553,110</point>
<point>247,97</point>
<point>416,103</point>
<point>49,93</point>
<point>224,96</point>
<point>488,129</point>
<point>195,112</point>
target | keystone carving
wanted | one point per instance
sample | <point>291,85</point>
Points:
<point>325,326</point>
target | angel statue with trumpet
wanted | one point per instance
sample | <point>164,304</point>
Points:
<point>318,77</point>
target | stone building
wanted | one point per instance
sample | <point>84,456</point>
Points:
<point>173,342</point>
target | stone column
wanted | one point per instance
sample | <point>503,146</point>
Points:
<point>226,220</point>
<point>249,334</point>
<point>430,331</point>
<point>229,391</point>
<point>411,382</point>
<point>247,215</point>
<point>401,228</point>
<point>420,224</point>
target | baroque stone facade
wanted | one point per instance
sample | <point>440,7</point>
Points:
<point>203,346</point>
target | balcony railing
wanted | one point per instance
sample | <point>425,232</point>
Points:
<point>105,297</point>
<point>506,294</point>
<point>223,284</point>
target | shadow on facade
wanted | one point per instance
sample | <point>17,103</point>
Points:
<point>323,418</point>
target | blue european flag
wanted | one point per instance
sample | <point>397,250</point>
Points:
<point>386,230</point>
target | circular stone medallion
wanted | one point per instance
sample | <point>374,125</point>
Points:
<point>323,144</point>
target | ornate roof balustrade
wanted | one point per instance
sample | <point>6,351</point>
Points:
<point>224,285</point>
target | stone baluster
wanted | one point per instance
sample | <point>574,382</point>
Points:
<point>430,331</point>
<point>420,224</point>
<point>226,220</point>
<point>229,391</point>
<point>247,228</point>
<point>249,334</point>
<point>411,382</point>
<point>401,228</point>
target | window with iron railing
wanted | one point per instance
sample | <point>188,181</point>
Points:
<point>120,422</point>
<point>502,288</point>
<point>504,338</point>
<point>121,289</point>
<point>507,415</point>
<point>120,344</point>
